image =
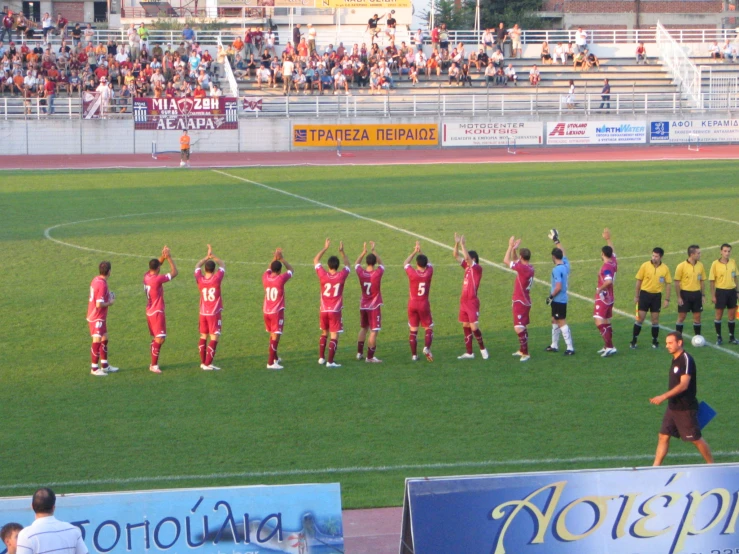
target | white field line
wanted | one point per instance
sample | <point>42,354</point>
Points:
<point>441,245</point>
<point>360,469</point>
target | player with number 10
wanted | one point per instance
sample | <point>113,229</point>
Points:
<point>211,306</point>
<point>273,282</point>
<point>332,302</point>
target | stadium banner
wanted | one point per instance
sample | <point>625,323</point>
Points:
<point>378,4</point>
<point>176,114</point>
<point>670,510</point>
<point>491,133</point>
<point>390,134</point>
<point>92,105</point>
<point>596,132</point>
<point>267,3</point>
<point>708,130</point>
<point>248,520</point>
<point>251,104</point>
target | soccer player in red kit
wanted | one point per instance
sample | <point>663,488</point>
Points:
<point>332,302</point>
<point>273,281</point>
<point>604,298</point>
<point>153,281</point>
<point>518,261</point>
<point>211,306</point>
<point>370,281</point>
<point>469,303</point>
<point>97,317</point>
<point>419,308</point>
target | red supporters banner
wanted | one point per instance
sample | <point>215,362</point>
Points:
<point>92,105</point>
<point>176,114</point>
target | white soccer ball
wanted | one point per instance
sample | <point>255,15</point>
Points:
<point>698,341</point>
<point>182,164</point>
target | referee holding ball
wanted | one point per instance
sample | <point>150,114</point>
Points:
<point>690,289</point>
<point>651,280</point>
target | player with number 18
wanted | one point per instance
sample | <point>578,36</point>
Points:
<point>211,306</point>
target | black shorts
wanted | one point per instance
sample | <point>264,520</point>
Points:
<point>559,310</point>
<point>681,424</point>
<point>650,302</point>
<point>692,301</point>
<point>725,298</point>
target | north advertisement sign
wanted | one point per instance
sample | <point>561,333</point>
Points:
<point>596,132</point>
<point>670,510</point>
<point>350,135</point>
<point>491,133</point>
<point>707,130</point>
<point>295,519</point>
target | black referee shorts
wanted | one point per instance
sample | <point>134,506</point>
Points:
<point>692,301</point>
<point>650,302</point>
<point>559,310</point>
<point>725,298</point>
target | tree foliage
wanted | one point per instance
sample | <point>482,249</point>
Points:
<point>492,12</point>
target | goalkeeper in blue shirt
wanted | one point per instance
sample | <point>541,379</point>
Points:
<point>558,297</point>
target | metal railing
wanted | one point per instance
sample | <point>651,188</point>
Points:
<point>233,86</point>
<point>683,71</point>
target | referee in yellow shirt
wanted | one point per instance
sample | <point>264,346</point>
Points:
<point>724,291</point>
<point>690,289</point>
<point>651,280</point>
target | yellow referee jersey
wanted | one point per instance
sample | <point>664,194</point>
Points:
<point>653,279</point>
<point>723,274</point>
<point>690,276</point>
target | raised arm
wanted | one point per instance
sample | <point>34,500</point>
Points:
<point>208,256</point>
<point>372,248</point>
<point>362,255</point>
<point>317,259</point>
<point>456,248</point>
<point>465,254</point>
<point>607,237</point>
<point>343,254</point>
<point>511,255</point>
<point>167,255</point>
<point>416,250</point>
<point>280,257</point>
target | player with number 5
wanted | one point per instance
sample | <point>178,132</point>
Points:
<point>332,301</point>
<point>273,282</point>
<point>519,262</point>
<point>370,281</point>
<point>211,306</point>
<point>419,307</point>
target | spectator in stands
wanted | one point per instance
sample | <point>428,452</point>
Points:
<point>641,53</point>
<point>534,76</point>
<point>413,75</point>
<point>605,95</point>
<point>47,24</point>
<point>490,71</point>
<point>570,52</point>
<point>579,60</point>
<point>715,51</point>
<point>591,60</point>
<point>488,40</point>
<point>269,41</point>
<point>134,42</point>
<point>560,53</point>
<point>9,536</point>
<point>263,76</point>
<point>546,57</point>
<point>570,98</point>
<point>76,34</point>
<point>464,75</point>
<point>143,35</point>
<point>433,65</point>
<point>418,39</point>
<point>311,39</point>
<point>728,51</point>
<point>188,35</point>
<point>288,67</point>
<point>510,73</point>
<point>105,96</point>
<point>61,25</point>
<point>458,55</point>
<point>482,60</point>
<point>454,74</point>
<point>498,59</point>
<point>501,36</point>
<point>444,38</point>
<point>515,35</point>
<point>581,39</point>
<point>21,26</point>
<point>435,38</point>
<point>89,34</point>
<point>49,92</point>
<point>296,34</point>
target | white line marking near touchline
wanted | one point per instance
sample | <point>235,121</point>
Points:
<point>439,244</point>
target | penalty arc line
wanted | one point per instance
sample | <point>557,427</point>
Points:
<point>435,243</point>
<point>359,469</point>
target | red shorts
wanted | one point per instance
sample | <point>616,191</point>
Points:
<point>98,328</point>
<point>157,324</point>
<point>469,311</point>
<point>332,322</point>
<point>602,310</point>
<point>210,324</point>
<point>420,316</point>
<point>371,319</point>
<point>520,314</point>
<point>274,323</point>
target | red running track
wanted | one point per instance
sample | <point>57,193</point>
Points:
<point>375,157</point>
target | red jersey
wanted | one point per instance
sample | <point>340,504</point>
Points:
<point>332,288</point>
<point>370,282</point>
<point>155,292</point>
<point>523,283</point>
<point>211,302</point>
<point>472,276</point>
<point>419,281</point>
<point>607,273</point>
<point>274,290</point>
<point>98,293</point>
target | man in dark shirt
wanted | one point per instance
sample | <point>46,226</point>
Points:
<point>681,416</point>
<point>605,95</point>
<point>296,35</point>
<point>372,26</point>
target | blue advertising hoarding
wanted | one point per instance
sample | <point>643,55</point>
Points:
<point>297,519</point>
<point>670,510</point>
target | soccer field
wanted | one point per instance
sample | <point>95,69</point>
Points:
<point>366,426</point>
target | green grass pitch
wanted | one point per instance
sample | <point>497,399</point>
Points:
<point>247,425</point>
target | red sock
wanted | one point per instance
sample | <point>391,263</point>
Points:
<point>360,347</point>
<point>467,339</point>
<point>603,330</point>
<point>155,348</point>
<point>201,348</point>
<point>104,353</point>
<point>429,338</point>
<point>333,343</point>
<point>371,352</point>
<point>273,349</point>
<point>211,352</point>
<point>95,354</point>
<point>478,336</point>
<point>322,347</point>
<point>609,335</point>
<point>413,341</point>
<point>523,340</point>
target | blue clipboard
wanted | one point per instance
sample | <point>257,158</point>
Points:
<point>705,414</point>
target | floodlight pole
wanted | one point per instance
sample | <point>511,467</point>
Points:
<point>433,16</point>
<point>477,22</point>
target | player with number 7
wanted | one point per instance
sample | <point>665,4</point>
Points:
<point>370,282</point>
<point>211,306</point>
<point>419,307</point>
<point>332,302</point>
